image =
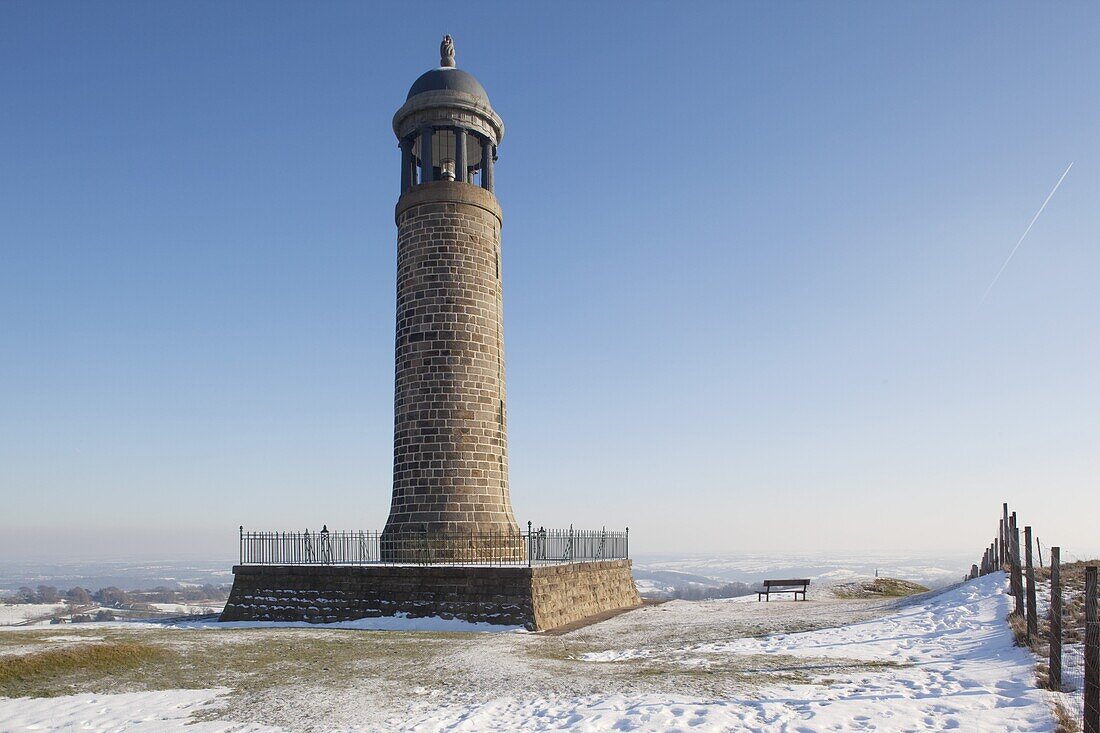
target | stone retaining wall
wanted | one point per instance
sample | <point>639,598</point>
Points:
<point>563,594</point>
<point>538,598</point>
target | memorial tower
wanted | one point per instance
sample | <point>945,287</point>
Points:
<point>451,546</point>
<point>450,458</point>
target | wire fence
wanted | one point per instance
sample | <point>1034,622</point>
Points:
<point>1063,631</point>
<point>1078,708</point>
<point>1073,686</point>
<point>493,548</point>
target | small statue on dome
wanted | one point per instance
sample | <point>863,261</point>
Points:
<point>447,52</point>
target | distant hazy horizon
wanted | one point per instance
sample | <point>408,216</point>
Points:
<point>668,568</point>
<point>219,550</point>
<point>746,255</point>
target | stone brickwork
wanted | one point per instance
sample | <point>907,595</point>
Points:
<point>562,594</point>
<point>450,469</point>
<point>538,598</point>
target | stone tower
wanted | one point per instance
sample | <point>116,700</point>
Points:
<point>451,546</point>
<point>450,462</point>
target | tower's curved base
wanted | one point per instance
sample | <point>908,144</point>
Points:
<point>507,547</point>
<point>538,598</point>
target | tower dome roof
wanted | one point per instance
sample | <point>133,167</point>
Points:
<point>447,97</point>
<point>447,78</point>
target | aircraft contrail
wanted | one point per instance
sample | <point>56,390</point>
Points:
<point>1022,236</point>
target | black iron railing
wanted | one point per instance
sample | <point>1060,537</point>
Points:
<point>532,547</point>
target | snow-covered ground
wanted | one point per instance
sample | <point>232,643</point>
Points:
<point>952,662</point>
<point>397,622</point>
<point>165,711</point>
<point>36,615</point>
<point>12,614</point>
<point>938,662</point>
<point>186,609</point>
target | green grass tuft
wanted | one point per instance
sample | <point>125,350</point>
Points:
<point>55,671</point>
<point>879,588</point>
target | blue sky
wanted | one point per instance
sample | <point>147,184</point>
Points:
<point>745,248</point>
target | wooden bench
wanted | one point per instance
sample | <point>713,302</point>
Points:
<point>795,586</point>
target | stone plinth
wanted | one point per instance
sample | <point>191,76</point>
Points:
<point>539,598</point>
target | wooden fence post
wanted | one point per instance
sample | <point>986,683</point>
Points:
<point>1055,676</point>
<point>1092,654</point>
<point>1012,552</point>
<point>1006,549</point>
<point>1017,575</point>
<point>1000,538</point>
<point>1032,612</point>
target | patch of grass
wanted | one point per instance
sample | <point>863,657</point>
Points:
<point>1042,675</point>
<point>1018,625</point>
<point>879,588</point>
<point>1064,720</point>
<point>55,671</point>
<point>250,661</point>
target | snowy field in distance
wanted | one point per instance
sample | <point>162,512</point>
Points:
<point>661,572</point>
<point>12,614</point>
<point>124,575</point>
